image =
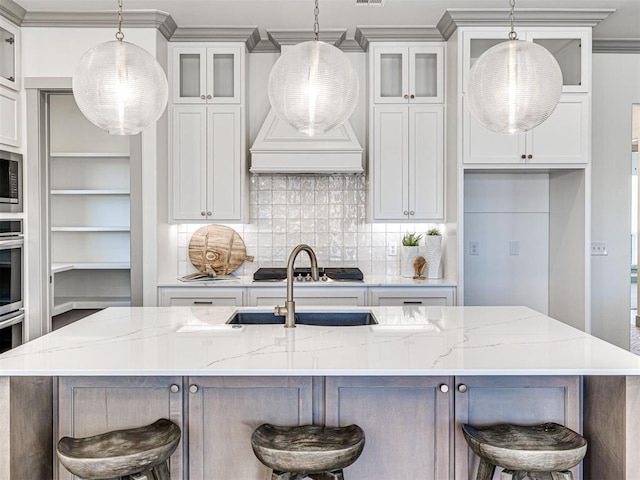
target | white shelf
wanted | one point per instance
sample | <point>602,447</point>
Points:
<point>88,154</point>
<point>91,229</point>
<point>90,192</point>
<point>65,304</point>
<point>64,267</point>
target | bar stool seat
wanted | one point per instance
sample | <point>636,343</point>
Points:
<point>308,450</point>
<point>548,450</point>
<point>121,453</point>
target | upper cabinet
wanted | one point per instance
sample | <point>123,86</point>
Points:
<point>207,74</point>
<point>406,73</point>
<point>9,54</point>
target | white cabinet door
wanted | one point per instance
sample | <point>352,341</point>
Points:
<point>200,296</point>
<point>224,74</point>
<point>391,74</point>
<point>413,296</point>
<point>426,163</point>
<point>9,117</point>
<point>189,163</point>
<point>224,163</point>
<point>189,75</point>
<point>408,163</point>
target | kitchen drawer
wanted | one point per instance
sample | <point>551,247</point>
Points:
<point>401,296</point>
<point>302,295</point>
<point>201,296</point>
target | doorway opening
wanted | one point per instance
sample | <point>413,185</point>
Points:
<point>635,320</point>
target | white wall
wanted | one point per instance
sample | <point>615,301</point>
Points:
<point>616,86</point>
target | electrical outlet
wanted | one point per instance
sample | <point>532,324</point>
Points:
<point>392,248</point>
<point>599,248</point>
<point>474,248</point>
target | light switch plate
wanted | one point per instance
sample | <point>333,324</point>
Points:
<point>599,249</point>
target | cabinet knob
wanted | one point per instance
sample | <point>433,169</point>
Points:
<point>174,388</point>
<point>406,212</point>
<point>523,156</point>
<point>406,96</point>
<point>462,388</point>
<point>202,97</point>
<point>444,388</point>
<point>529,156</point>
<point>193,389</point>
<point>209,213</point>
<point>412,96</point>
<point>411,212</point>
<point>203,213</point>
<point>208,97</point>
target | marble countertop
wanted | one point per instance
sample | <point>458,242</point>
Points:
<point>407,341</point>
<point>368,281</point>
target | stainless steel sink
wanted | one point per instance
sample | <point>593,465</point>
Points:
<point>327,319</point>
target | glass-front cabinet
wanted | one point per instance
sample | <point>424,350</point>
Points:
<point>570,48</point>
<point>206,75</point>
<point>9,55</point>
<point>408,74</point>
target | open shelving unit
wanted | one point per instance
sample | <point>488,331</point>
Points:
<point>89,175</point>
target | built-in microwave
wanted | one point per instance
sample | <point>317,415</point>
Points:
<point>10,182</point>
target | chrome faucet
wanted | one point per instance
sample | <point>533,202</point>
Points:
<point>289,309</point>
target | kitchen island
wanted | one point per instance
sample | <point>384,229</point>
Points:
<point>409,381</point>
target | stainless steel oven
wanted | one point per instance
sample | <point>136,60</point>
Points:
<point>10,182</point>
<point>11,284</point>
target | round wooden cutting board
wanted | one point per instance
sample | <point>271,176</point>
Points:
<point>217,250</point>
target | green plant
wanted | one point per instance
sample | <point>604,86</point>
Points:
<point>433,231</point>
<point>411,239</point>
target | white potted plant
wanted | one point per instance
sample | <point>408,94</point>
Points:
<point>408,253</point>
<point>433,253</point>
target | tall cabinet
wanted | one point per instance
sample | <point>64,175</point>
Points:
<point>208,133</point>
<point>10,81</point>
<point>89,176</point>
<point>522,204</point>
<point>406,131</point>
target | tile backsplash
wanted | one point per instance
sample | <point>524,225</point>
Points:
<point>325,212</point>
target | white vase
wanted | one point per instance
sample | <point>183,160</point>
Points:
<point>433,255</point>
<point>408,255</point>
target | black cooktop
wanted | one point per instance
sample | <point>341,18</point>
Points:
<point>346,274</point>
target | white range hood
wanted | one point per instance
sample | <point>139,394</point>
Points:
<point>279,148</point>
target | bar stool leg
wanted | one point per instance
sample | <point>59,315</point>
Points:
<point>566,475</point>
<point>276,475</point>
<point>485,470</point>
<point>512,475</point>
<point>334,475</point>
<point>161,472</point>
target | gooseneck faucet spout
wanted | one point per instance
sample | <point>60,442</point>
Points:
<point>289,309</point>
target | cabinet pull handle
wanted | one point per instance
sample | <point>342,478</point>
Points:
<point>523,156</point>
<point>462,388</point>
<point>444,388</point>
<point>529,156</point>
<point>202,97</point>
<point>208,97</point>
<point>174,388</point>
<point>193,389</point>
<point>406,96</point>
<point>203,213</point>
<point>202,302</point>
<point>209,213</point>
<point>412,302</point>
<point>406,212</point>
<point>411,212</point>
<point>412,96</point>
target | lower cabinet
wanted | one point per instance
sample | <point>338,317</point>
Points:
<point>323,296</point>
<point>417,296</point>
<point>195,296</point>
<point>411,424</point>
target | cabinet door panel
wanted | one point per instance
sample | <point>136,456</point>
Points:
<point>426,74</point>
<point>390,163</point>
<point>426,163</point>
<point>415,296</point>
<point>517,400</point>
<point>563,137</point>
<point>223,413</point>
<point>406,424</point>
<point>391,70</point>
<point>187,297</point>
<point>188,162</point>
<point>9,117</point>
<point>188,75</point>
<point>224,74</point>
<point>93,405</point>
<point>224,168</point>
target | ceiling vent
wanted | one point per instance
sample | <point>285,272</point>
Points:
<point>370,3</point>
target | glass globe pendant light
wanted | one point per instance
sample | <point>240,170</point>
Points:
<point>514,86</point>
<point>119,86</point>
<point>313,86</point>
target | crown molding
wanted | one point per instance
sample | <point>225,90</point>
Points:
<point>616,45</point>
<point>132,19</point>
<point>12,11</point>
<point>454,18</point>
<point>247,34</point>
<point>387,33</point>
<point>333,36</point>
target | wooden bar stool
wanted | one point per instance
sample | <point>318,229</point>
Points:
<point>122,453</point>
<point>320,453</point>
<point>539,452</point>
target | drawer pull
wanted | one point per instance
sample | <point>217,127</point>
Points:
<point>444,388</point>
<point>193,389</point>
<point>203,302</point>
<point>174,388</point>
<point>462,388</point>
<point>412,302</point>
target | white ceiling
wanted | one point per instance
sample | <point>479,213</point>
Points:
<point>282,14</point>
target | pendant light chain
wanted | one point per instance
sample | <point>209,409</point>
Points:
<point>119,34</point>
<point>316,28</point>
<point>512,34</point>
